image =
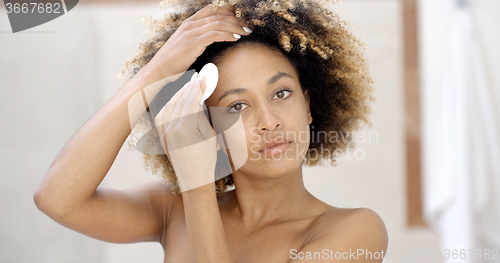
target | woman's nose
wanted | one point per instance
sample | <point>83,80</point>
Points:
<point>268,117</point>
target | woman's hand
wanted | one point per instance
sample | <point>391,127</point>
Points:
<point>190,40</point>
<point>187,137</point>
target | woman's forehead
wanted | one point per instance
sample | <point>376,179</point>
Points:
<point>251,52</point>
<point>253,64</point>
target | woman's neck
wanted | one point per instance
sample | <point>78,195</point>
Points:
<point>262,201</point>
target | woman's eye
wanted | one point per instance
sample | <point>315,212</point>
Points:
<point>238,106</point>
<point>283,93</point>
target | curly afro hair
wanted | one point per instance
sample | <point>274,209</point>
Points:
<point>328,57</point>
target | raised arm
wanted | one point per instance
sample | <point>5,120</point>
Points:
<point>69,193</point>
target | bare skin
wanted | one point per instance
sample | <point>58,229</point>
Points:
<point>69,193</point>
<point>272,241</point>
<point>271,212</point>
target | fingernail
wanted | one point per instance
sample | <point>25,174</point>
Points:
<point>237,36</point>
<point>248,30</point>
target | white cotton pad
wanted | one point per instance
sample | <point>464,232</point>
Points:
<point>211,74</point>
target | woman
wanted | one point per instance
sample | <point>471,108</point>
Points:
<point>296,69</point>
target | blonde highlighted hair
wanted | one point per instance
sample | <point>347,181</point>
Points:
<point>328,57</point>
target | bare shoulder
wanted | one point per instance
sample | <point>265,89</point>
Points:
<point>343,217</point>
<point>350,228</point>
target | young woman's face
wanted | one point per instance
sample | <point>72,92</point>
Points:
<point>262,86</point>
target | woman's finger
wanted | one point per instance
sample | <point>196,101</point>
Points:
<point>164,115</point>
<point>210,10</point>
<point>221,26</point>
<point>179,104</point>
<point>210,37</point>
<point>216,19</point>
<point>192,101</point>
<point>203,124</point>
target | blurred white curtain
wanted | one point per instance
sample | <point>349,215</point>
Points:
<point>461,189</point>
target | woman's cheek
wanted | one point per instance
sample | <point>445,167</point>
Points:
<point>236,139</point>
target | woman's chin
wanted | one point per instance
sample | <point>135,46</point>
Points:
<point>273,168</point>
<point>275,163</point>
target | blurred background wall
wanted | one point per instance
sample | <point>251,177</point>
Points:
<point>55,76</point>
<point>461,127</point>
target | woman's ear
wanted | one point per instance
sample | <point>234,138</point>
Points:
<point>308,103</point>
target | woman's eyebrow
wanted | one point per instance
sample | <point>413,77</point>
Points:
<point>232,91</point>
<point>243,90</point>
<point>277,77</point>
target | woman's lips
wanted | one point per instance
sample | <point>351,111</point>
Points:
<point>277,149</point>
